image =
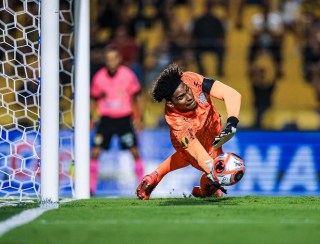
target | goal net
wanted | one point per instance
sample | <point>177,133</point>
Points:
<point>20,86</point>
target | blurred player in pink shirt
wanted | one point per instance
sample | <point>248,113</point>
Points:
<point>115,93</point>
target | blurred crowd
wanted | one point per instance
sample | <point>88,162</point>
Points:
<point>151,34</point>
<point>184,40</point>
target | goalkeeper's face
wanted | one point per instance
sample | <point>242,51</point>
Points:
<point>112,61</point>
<point>183,99</point>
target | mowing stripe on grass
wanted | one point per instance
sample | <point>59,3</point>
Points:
<point>20,219</point>
<point>183,221</point>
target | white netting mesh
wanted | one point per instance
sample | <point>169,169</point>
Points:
<point>66,96</point>
<point>20,97</point>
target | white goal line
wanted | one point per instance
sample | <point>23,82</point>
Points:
<point>21,219</point>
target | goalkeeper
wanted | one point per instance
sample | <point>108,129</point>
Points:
<point>195,125</point>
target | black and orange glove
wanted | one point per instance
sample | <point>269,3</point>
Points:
<point>227,133</point>
<point>216,184</point>
<point>210,177</point>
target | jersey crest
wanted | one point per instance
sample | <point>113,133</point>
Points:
<point>202,98</point>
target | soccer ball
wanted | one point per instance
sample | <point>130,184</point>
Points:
<point>228,169</point>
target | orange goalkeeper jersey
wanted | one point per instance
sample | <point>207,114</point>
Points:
<point>203,123</point>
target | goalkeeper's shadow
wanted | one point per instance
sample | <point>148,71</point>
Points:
<point>189,201</point>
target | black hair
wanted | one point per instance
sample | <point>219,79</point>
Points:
<point>111,47</point>
<point>166,84</point>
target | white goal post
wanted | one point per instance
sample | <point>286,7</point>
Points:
<point>82,99</point>
<point>49,120</point>
<point>36,51</point>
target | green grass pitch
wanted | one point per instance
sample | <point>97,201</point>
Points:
<point>249,219</point>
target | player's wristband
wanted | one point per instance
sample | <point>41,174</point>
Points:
<point>233,121</point>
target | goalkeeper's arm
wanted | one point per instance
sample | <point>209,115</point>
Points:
<point>232,100</point>
<point>197,151</point>
<point>230,96</point>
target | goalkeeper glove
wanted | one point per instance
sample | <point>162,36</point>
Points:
<point>227,133</point>
<point>209,176</point>
<point>216,184</point>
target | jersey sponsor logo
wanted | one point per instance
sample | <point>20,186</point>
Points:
<point>202,98</point>
<point>184,141</point>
